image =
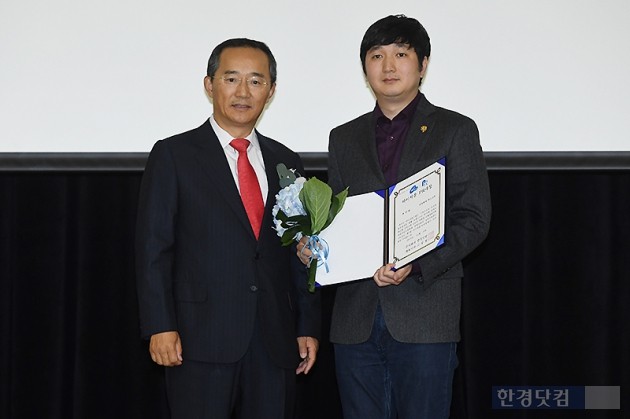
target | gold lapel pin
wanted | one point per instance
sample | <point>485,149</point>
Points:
<point>423,128</point>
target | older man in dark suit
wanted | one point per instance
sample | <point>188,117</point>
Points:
<point>226,307</point>
<point>395,334</point>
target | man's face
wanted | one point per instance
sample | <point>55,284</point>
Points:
<point>394,72</point>
<point>237,105</point>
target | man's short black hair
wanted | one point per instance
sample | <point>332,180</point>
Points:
<point>396,29</point>
<point>213,61</point>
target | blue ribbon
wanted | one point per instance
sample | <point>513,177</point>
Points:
<point>319,250</point>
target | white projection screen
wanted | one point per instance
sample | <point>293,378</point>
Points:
<point>116,76</point>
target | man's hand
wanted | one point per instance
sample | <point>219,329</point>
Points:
<point>385,276</point>
<point>166,349</point>
<point>308,352</point>
<point>303,252</point>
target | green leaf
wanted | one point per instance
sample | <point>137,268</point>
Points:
<point>289,234</point>
<point>336,206</point>
<point>285,176</point>
<point>282,216</point>
<point>316,198</point>
<point>296,218</point>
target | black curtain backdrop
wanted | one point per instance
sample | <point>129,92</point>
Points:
<point>545,298</point>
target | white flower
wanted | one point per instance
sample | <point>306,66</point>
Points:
<point>288,201</point>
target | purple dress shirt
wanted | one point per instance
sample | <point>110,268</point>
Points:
<point>390,138</point>
<point>390,141</point>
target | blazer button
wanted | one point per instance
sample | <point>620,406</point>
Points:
<point>253,288</point>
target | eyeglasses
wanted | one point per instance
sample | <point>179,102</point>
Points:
<point>254,82</point>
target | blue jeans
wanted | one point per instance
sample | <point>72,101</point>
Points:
<point>386,379</point>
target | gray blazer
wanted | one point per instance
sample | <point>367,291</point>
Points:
<point>425,308</point>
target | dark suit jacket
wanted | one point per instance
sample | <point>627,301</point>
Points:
<point>424,308</point>
<point>200,270</point>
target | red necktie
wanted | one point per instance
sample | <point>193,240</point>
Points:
<point>249,186</point>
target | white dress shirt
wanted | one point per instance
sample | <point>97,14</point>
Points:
<point>254,154</point>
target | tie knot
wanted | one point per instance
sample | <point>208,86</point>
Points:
<point>240,144</point>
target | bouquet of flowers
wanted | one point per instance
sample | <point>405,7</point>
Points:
<point>305,208</point>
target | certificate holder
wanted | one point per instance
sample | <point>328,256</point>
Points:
<point>396,225</point>
<point>415,211</point>
<point>386,195</point>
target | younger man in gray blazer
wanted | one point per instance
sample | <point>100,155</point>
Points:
<point>395,334</point>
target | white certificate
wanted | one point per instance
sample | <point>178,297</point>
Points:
<point>412,220</point>
<point>416,215</point>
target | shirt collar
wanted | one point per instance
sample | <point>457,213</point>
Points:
<point>405,114</point>
<point>225,138</point>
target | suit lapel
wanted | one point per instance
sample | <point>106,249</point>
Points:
<point>357,157</point>
<point>418,137</point>
<point>368,148</point>
<point>211,157</point>
<point>271,159</point>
